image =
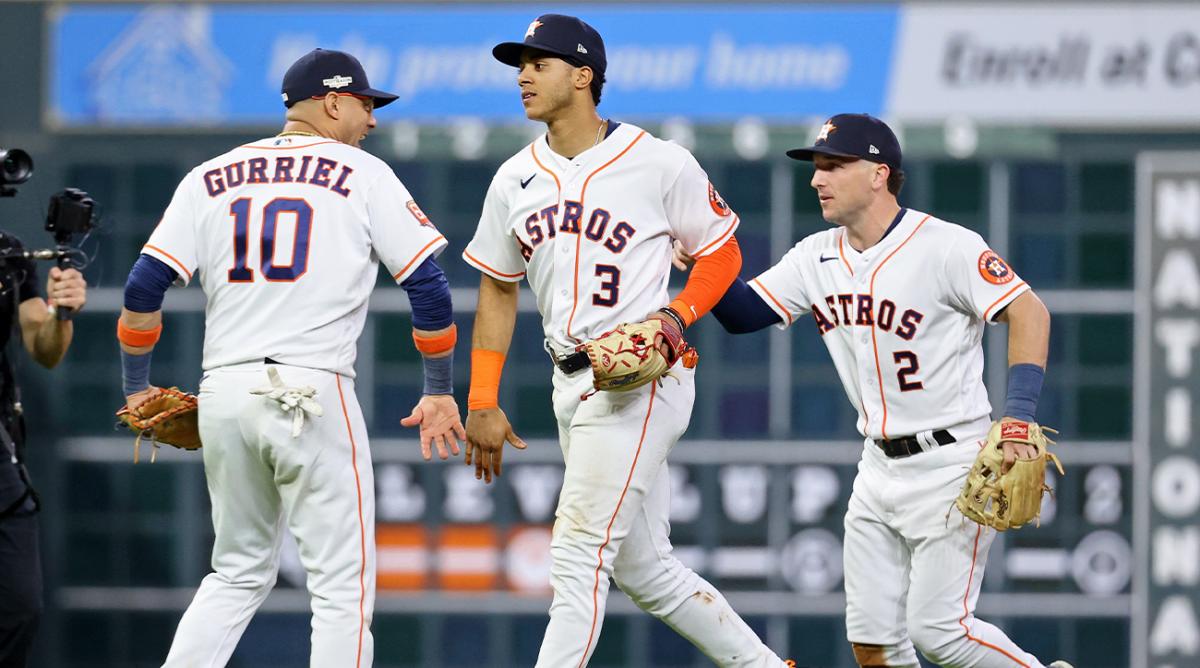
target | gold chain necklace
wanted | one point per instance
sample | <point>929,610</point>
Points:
<point>603,124</point>
<point>297,133</point>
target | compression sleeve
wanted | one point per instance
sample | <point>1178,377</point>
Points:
<point>429,294</point>
<point>147,284</point>
<point>741,310</point>
<point>708,281</point>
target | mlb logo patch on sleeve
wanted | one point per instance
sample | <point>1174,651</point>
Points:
<point>717,203</point>
<point>993,269</point>
<point>418,213</point>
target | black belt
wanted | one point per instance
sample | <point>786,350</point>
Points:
<point>576,361</point>
<point>909,445</point>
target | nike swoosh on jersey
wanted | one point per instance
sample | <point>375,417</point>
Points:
<point>526,181</point>
<point>827,259</point>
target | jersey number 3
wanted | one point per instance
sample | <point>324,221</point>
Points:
<point>295,268</point>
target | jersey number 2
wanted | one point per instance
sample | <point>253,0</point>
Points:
<point>910,366</point>
<point>240,210</point>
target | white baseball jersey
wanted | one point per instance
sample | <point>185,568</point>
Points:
<point>286,234</point>
<point>593,234</point>
<point>903,320</point>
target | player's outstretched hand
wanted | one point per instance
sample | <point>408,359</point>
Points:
<point>487,430</point>
<point>441,425</point>
<point>1014,451</point>
<point>680,257</point>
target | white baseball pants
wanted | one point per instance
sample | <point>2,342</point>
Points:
<point>320,485</point>
<point>914,564</point>
<point>613,520</point>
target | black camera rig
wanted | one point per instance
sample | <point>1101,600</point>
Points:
<point>71,214</point>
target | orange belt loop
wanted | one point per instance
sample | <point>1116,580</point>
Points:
<point>137,338</point>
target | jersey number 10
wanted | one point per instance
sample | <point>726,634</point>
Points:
<point>240,210</point>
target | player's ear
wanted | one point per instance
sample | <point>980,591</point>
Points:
<point>880,178</point>
<point>331,102</point>
<point>583,77</point>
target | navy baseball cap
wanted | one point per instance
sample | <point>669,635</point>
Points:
<point>567,37</point>
<point>859,136</point>
<point>322,71</point>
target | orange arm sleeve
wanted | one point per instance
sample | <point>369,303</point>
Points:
<point>710,278</point>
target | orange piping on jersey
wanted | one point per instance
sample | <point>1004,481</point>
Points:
<point>728,230</point>
<point>579,237</point>
<point>611,521</point>
<point>966,613</point>
<point>173,259</point>
<point>874,345</point>
<point>545,169</point>
<point>843,254</point>
<point>362,531</point>
<point>475,261</point>
<point>286,148</point>
<point>420,254</point>
<point>786,313</point>
<point>987,313</point>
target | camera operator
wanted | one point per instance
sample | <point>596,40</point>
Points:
<point>46,338</point>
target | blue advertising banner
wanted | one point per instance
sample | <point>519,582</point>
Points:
<point>196,65</point>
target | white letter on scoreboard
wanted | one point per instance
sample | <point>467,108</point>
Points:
<point>1177,207</point>
<point>1174,556</point>
<point>1179,337</point>
<point>1175,629</point>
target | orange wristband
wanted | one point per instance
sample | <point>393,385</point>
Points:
<point>486,367</point>
<point>432,345</point>
<point>137,338</point>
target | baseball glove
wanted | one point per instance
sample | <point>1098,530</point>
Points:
<point>1012,499</point>
<point>168,416</point>
<point>630,356</point>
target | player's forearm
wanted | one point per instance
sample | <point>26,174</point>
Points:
<point>1028,343</point>
<point>708,281</point>
<point>495,318</point>
<point>1028,330</point>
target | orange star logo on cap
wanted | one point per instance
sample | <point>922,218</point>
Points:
<point>825,130</point>
<point>533,26</point>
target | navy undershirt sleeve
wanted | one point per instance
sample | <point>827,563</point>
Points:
<point>429,294</point>
<point>742,310</point>
<point>147,284</point>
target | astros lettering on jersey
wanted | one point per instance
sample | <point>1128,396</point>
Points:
<point>903,320</point>
<point>593,234</point>
<point>307,221</point>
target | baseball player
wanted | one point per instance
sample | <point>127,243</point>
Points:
<point>586,213</point>
<point>901,299</point>
<point>285,235</point>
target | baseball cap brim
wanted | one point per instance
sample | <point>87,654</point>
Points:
<point>381,98</point>
<point>807,153</point>
<point>509,53</point>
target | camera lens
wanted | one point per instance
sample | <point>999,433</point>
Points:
<point>15,166</point>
